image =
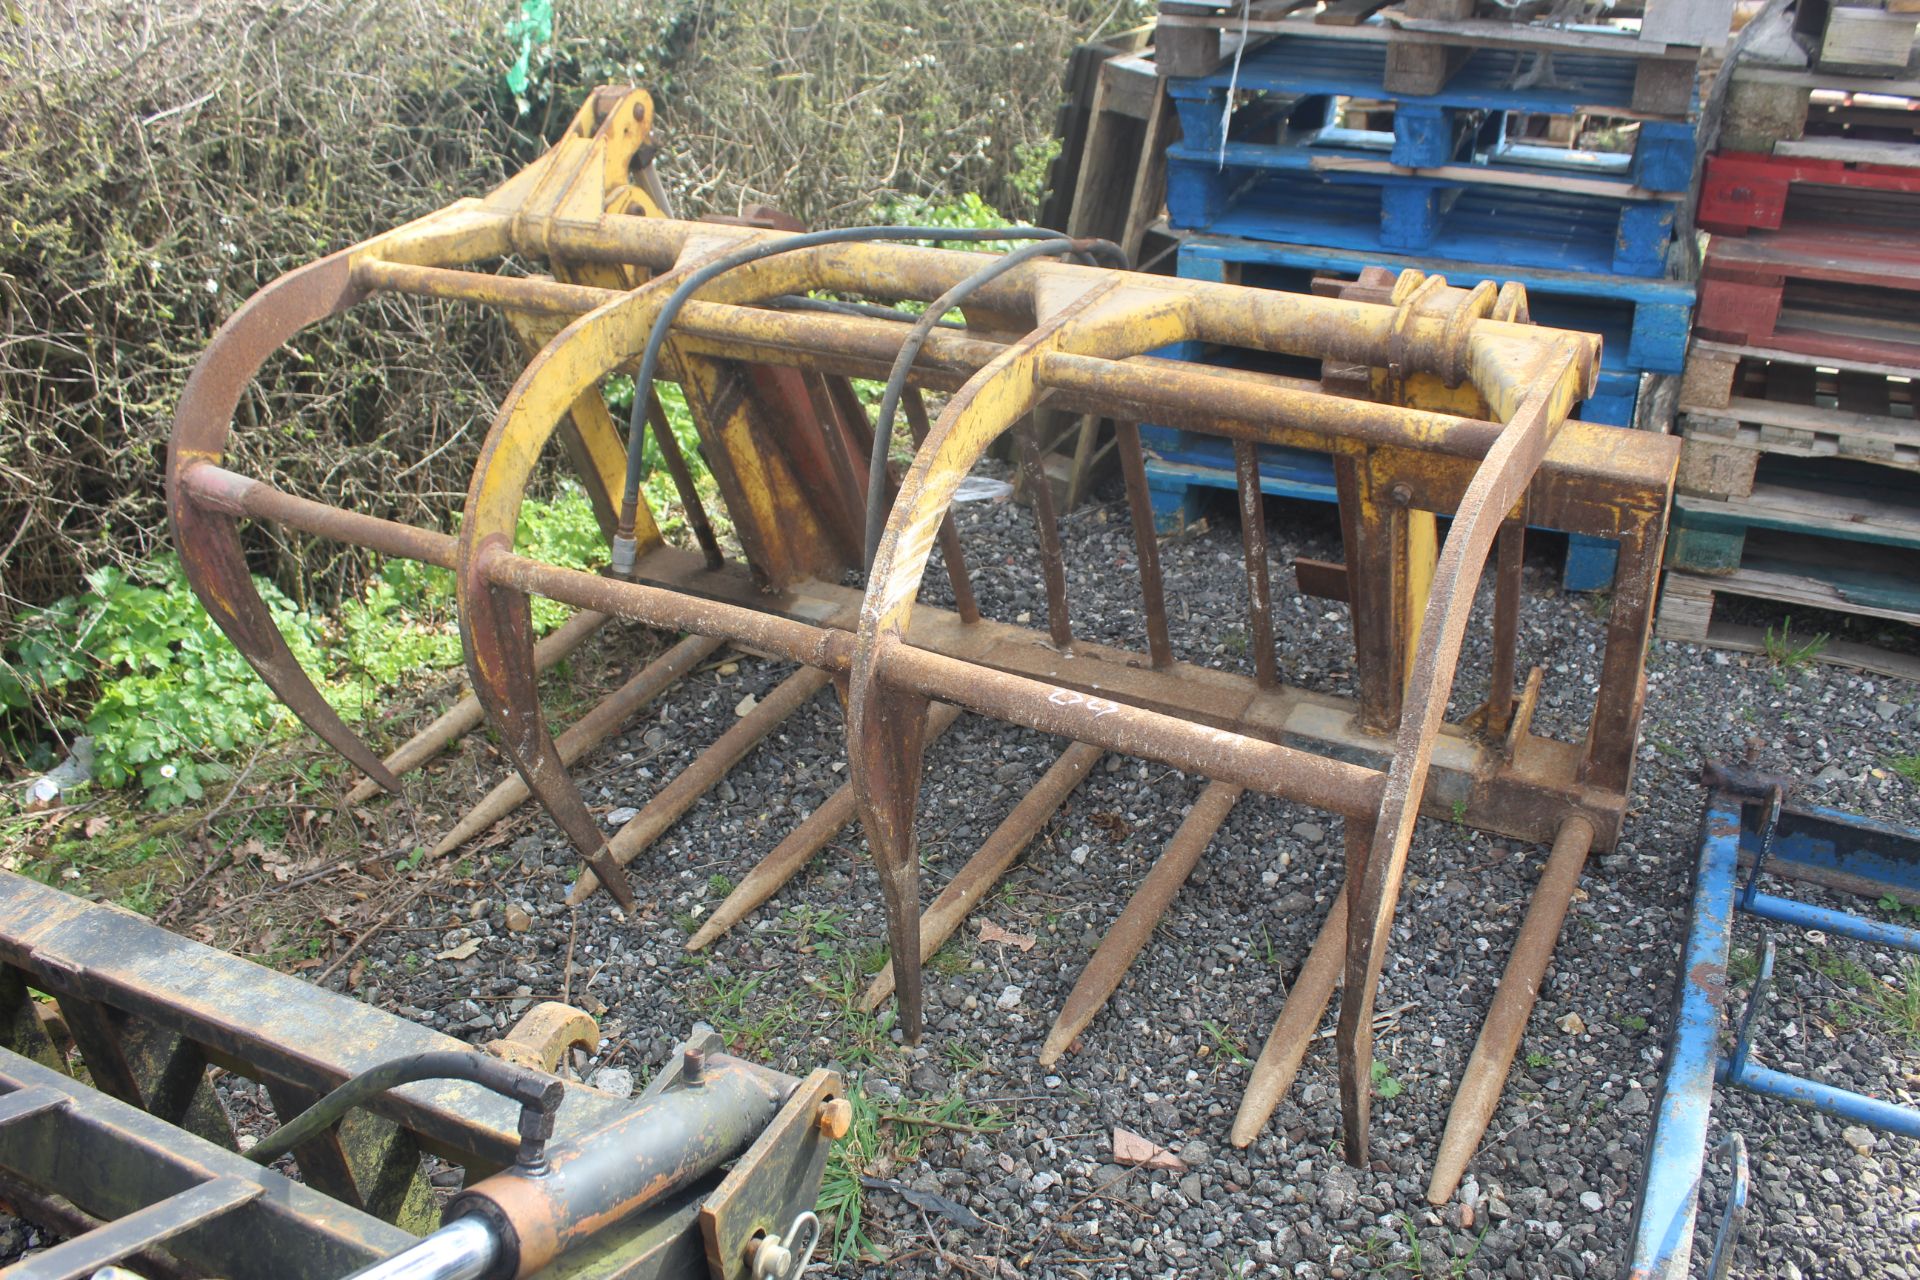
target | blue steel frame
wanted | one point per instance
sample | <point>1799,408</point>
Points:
<point>1745,815</point>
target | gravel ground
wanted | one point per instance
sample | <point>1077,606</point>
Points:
<point>1555,1178</point>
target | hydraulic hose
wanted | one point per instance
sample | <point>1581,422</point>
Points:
<point>624,548</point>
<point>538,1094</point>
<point>917,338</point>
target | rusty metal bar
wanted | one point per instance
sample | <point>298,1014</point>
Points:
<point>1253,541</point>
<point>1511,551</point>
<point>983,870</point>
<point>600,722</point>
<point>707,769</point>
<point>796,850</point>
<point>1129,933</point>
<point>682,479</point>
<point>1153,595</point>
<point>1305,1005</point>
<point>951,552</point>
<point>1268,767</point>
<point>1486,1074</point>
<point>142,1229</point>
<point>218,489</point>
<point>1053,563</point>
<point>464,716</point>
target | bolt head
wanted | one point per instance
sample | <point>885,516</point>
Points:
<point>836,1118</point>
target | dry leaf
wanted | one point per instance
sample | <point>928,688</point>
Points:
<point>1130,1148</point>
<point>95,826</point>
<point>462,952</point>
<point>991,932</point>
<point>745,705</point>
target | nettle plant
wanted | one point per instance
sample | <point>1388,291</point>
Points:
<point>135,663</point>
<point>165,695</point>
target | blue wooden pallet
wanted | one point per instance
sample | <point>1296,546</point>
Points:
<point>1274,81</point>
<point>1643,322</point>
<point>1388,213</point>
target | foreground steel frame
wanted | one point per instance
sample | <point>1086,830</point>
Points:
<point>1469,422</point>
<point>683,1181</point>
<point>1747,820</point>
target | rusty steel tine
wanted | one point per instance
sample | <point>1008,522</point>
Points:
<point>1305,1005</point>
<point>1053,563</point>
<point>682,480</point>
<point>464,716</point>
<point>1513,1000</point>
<point>983,870</point>
<point>708,768</point>
<point>583,735</point>
<point>1128,934</point>
<point>1146,541</point>
<point>796,850</point>
<point>1253,541</point>
<point>950,550</point>
<point>1510,552</point>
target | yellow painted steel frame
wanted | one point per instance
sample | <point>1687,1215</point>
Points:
<point>1086,337</point>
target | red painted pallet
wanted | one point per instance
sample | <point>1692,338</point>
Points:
<point>1847,293</point>
<point>1743,191</point>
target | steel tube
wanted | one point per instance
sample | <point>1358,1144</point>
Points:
<point>1268,767</point>
<point>464,1249</point>
<point>1806,916</point>
<point>984,869</point>
<point>237,495</point>
<point>1128,934</point>
<point>1513,1001</point>
<point>1843,1104</point>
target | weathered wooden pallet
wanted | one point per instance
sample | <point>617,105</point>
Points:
<point>1781,111</point>
<point>1744,191</point>
<point>1686,615</point>
<point>1863,37</point>
<point>1840,502</point>
<point>1816,290</point>
<point>1738,404</point>
<point>1427,43</point>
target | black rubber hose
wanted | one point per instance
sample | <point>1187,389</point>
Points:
<point>623,547</point>
<point>531,1089</point>
<point>834,306</point>
<point>917,338</point>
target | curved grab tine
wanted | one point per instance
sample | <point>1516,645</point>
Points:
<point>1497,485</point>
<point>207,539</point>
<point>497,633</point>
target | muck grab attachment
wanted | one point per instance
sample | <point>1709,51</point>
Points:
<point>712,1172</point>
<point>1462,413</point>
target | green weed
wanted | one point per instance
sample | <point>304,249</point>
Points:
<point>1788,652</point>
<point>1386,1085</point>
<point>1224,1043</point>
<point>1907,767</point>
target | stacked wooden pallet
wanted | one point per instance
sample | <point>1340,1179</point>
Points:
<point>1797,484</point>
<point>1439,137</point>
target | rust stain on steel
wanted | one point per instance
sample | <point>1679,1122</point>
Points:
<point>1300,1014</point>
<point>1129,933</point>
<point>1712,979</point>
